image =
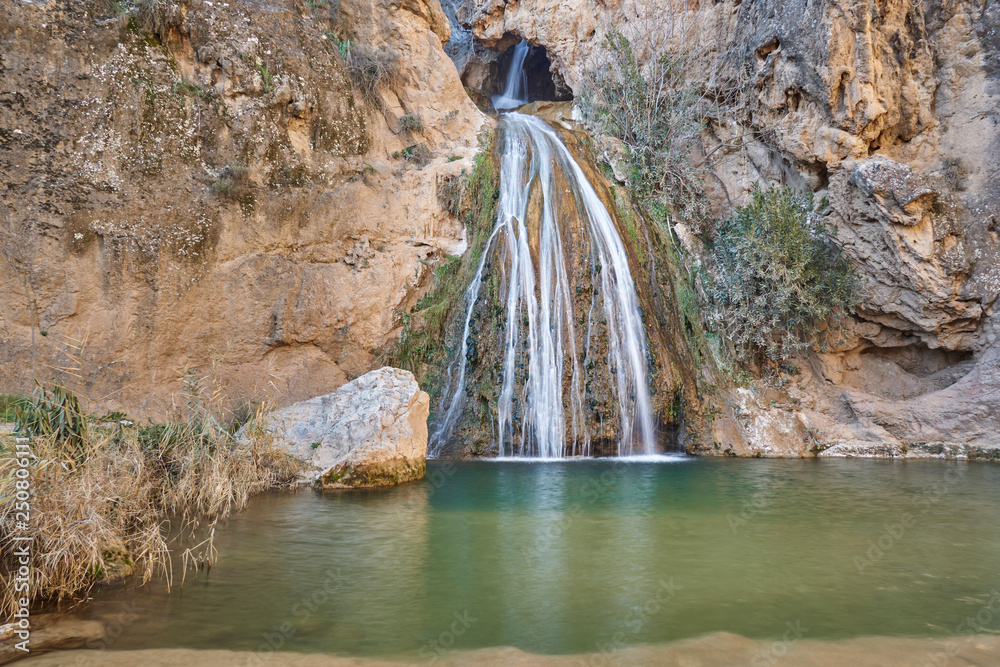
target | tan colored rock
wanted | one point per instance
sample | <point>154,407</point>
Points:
<point>372,431</point>
<point>218,195</point>
<point>48,633</point>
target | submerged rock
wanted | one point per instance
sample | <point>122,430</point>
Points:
<point>370,432</point>
<point>49,632</point>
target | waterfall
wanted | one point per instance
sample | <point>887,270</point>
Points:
<point>570,312</point>
<point>515,93</point>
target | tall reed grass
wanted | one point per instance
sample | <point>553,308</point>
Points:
<point>110,497</point>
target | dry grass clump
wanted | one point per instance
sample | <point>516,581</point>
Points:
<point>137,496</point>
<point>370,69</point>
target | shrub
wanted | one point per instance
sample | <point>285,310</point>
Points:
<point>418,154</point>
<point>56,414</point>
<point>369,69</point>
<point>651,106</point>
<point>780,276</point>
<point>9,405</point>
<point>233,181</point>
<point>411,123</point>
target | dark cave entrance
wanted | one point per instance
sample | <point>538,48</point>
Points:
<point>542,83</point>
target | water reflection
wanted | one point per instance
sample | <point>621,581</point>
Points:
<point>564,557</point>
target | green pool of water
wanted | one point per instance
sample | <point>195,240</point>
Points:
<point>586,556</point>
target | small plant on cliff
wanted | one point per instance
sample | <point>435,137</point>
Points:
<point>780,276</point>
<point>411,123</point>
<point>418,154</point>
<point>233,181</point>
<point>649,104</point>
<point>370,69</point>
<point>266,78</point>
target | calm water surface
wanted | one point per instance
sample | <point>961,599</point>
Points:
<point>565,557</point>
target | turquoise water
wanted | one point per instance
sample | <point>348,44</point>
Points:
<point>581,556</point>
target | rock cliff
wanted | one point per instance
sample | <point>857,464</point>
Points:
<point>249,187</point>
<point>891,112</point>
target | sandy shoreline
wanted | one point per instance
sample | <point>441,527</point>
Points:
<point>715,650</point>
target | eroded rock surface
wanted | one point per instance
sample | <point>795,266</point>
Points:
<point>202,184</point>
<point>891,113</point>
<point>370,432</point>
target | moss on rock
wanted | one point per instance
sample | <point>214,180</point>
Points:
<point>385,473</point>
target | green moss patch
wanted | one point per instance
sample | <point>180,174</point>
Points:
<point>387,473</point>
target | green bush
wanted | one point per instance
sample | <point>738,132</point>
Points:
<point>411,122</point>
<point>55,413</point>
<point>233,182</point>
<point>780,277</point>
<point>418,154</point>
<point>481,188</point>
<point>656,112</point>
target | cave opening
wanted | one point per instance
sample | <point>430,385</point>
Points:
<point>541,82</point>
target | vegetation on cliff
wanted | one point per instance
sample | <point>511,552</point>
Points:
<point>779,275</point>
<point>656,112</point>
<point>422,346</point>
<point>109,497</point>
<point>773,274</point>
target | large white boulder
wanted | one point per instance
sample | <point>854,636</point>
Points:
<point>370,432</point>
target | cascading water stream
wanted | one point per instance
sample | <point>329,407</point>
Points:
<point>515,92</point>
<point>548,337</point>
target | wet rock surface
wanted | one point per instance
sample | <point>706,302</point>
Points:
<point>889,114</point>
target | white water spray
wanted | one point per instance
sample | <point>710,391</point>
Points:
<point>515,93</point>
<point>541,403</point>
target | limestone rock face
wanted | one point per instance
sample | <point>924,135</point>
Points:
<point>203,184</point>
<point>891,113</point>
<point>370,432</point>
